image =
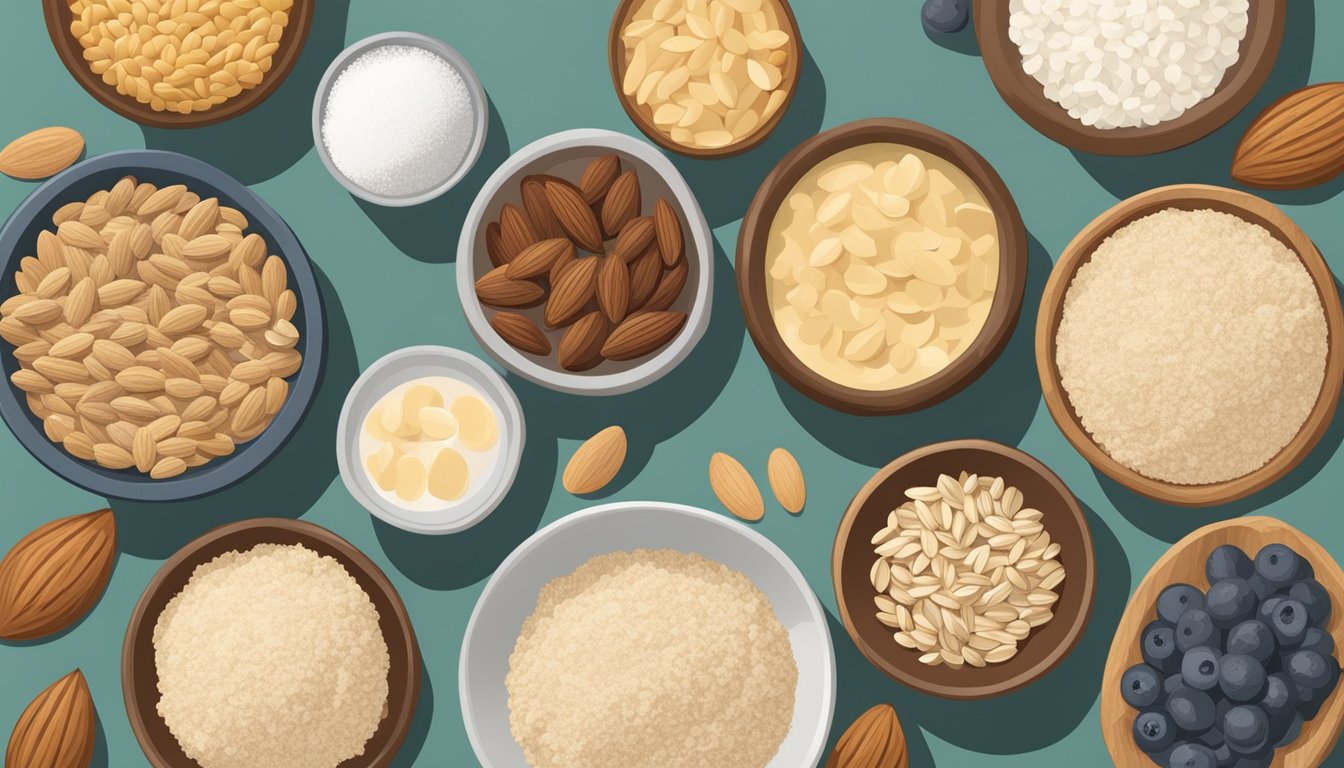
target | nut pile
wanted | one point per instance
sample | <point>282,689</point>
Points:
<point>964,571</point>
<point>615,304</point>
<point>707,73</point>
<point>180,55</point>
<point>151,332</point>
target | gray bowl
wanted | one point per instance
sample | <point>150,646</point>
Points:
<point>18,238</point>
<point>479,105</point>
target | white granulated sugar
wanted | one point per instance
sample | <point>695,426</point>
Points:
<point>1192,346</point>
<point>651,659</point>
<point>272,657</point>
<point>1128,63</point>
<point>399,120</point>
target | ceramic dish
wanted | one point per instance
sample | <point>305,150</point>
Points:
<point>398,368</point>
<point>139,679</point>
<point>792,72</point>
<point>1184,563</point>
<point>1026,96</point>
<point>566,154</point>
<point>852,559</point>
<point>71,54</point>
<point>18,238</point>
<point>751,269</point>
<point>564,545</point>
<point>479,106</point>
<point>1078,252</point>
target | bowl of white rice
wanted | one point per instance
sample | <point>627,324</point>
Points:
<point>399,118</point>
<point>647,634</point>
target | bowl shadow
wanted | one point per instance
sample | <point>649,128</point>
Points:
<point>999,405</point>
<point>265,141</point>
<point>424,716</point>
<point>287,485</point>
<point>100,759</point>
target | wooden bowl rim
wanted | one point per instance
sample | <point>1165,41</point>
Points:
<point>754,235</point>
<point>1124,752</point>
<point>1026,97</point>
<point>1078,252</point>
<point>1032,673</point>
<point>792,74</point>
<point>58,17</point>
<point>403,696</point>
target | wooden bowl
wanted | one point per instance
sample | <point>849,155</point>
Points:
<point>1184,562</point>
<point>792,70</point>
<point>1189,197</point>
<point>751,257</point>
<point>58,17</point>
<point>139,679</point>
<point>852,557</point>
<point>1026,95</point>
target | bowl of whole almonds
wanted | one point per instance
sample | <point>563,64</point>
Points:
<point>161,330</point>
<point>585,264</point>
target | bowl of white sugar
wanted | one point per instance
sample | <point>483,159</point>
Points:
<point>399,118</point>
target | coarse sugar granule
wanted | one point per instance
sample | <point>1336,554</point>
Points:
<point>271,657</point>
<point>651,659</point>
<point>1192,346</point>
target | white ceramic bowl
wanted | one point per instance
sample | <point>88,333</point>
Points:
<point>480,108</point>
<point>566,154</point>
<point>396,369</point>
<point>561,547</point>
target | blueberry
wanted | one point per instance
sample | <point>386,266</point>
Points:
<point>1226,757</point>
<point>1175,600</point>
<point>1319,641</point>
<point>1280,566</point>
<point>1228,562</point>
<point>1212,738</point>
<point>1141,686</point>
<point>1267,606</point>
<point>1246,729</point>
<point>1195,629</point>
<point>1192,711</point>
<point>1294,730</point>
<point>1241,677</point>
<point>1262,589</point>
<point>1230,602</point>
<point>1262,759</point>
<point>1289,623</point>
<point>1200,668</point>
<point>1308,669</point>
<point>1160,757</point>
<point>1159,647</point>
<point>1153,731</point>
<point>1310,593</point>
<point>1172,684</point>
<point>1253,638</point>
<point>1192,756</point>
<point>946,16</point>
<point>1279,700</point>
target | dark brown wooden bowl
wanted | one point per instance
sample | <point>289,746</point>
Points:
<point>755,234</point>
<point>852,558</point>
<point>792,71</point>
<point>58,17</point>
<point>1189,197</point>
<point>1026,96</point>
<point>139,679</point>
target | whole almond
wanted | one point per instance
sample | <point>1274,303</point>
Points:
<point>180,320</point>
<point>596,462</point>
<point>874,740</point>
<point>581,346</point>
<point>613,289</point>
<point>141,378</point>
<point>641,334</point>
<point>494,244</point>
<point>634,239</point>
<point>207,247</point>
<point>574,215</point>
<point>55,574</point>
<point>735,488</point>
<point>521,333</point>
<point>538,209</point>
<point>598,177</point>
<point>1297,142</point>
<point>668,228</point>
<point>645,274</point>
<point>669,288</point>
<point>41,153</point>
<point>786,480</point>
<point>515,233</point>
<point>56,730</point>
<point>571,291</point>
<point>496,289</point>
<point>621,204</point>
<point>537,259</point>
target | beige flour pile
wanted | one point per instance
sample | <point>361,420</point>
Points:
<point>651,659</point>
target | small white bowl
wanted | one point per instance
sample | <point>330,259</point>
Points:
<point>479,105</point>
<point>390,372</point>
<point>558,549</point>
<point>566,154</point>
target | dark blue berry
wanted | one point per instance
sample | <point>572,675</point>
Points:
<point>1200,668</point>
<point>946,16</point>
<point>1159,647</point>
<point>1241,677</point>
<point>1308,669</point>
<point>1253,638</point>
<point>1141,686</point>
<point>1228,562</point>
<point>1319,641</point>
<point>1175,600</point>
<point>1192,711</point>
<point>1190,755</point>
<point>1267,606</point>
<point>1262,759</point>
<point>1246,729</point>
<point>1310,593</point>
<point>1195,629</point>
<point>1153,731</point>
<point>1280,698</point>
<point>1289,622</point>
<point>1280,566</point>
<point>1262,589</point>
<point>1230,602</point>
<point>1294,730</point>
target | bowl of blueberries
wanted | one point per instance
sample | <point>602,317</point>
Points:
<point>1226,655</point>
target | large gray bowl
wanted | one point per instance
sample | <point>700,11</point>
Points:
<point>18,238</point>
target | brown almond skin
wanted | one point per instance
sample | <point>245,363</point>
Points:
<point>875,740</point>
<point>55,575</point>
<point>634,239</point>
<point>1297,142</point>
<point>57,730</point>
<point>613,289</point>
<point>538,209</point>
<point>668,230</point>
<point>515,232</point>
<point>494,245</point>
<point>669,289</point>
<point>598,177</point>
<point>644,276</point>
<point>568,257</point>
<point>572,290</point>
<point>496,289</point>
<point>537,259</point>
<point>575,216</point>
<point>521,333</point>
<point>621,204</point>
<point>581,346</point>
<point>641,334</point>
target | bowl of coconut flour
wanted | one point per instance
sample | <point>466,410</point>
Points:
<point>1129,77</point>
<point>399,118</point>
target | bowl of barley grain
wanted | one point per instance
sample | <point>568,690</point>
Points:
<point>161,331</point>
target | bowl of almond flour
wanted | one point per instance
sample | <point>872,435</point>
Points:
<point>643,635</point>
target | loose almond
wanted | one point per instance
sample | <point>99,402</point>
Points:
<point>538,209</point>
<point>645,274</point>
<point>596,462</point>
<point>55,574</point>
<point>668,228</point>
<point>537,259</point>
<point>1297,142</point>
<point>735,488</point>
<point>521,333</point>
<point>786,480</point>
<point>496,289</point>
<point>621,204</point>
<point>598,177</point>
<point>494,244</point>
<point>874,740</point>
<point>574,215</point>
<point>56,730</point>
<point>641,334</point>
<point>581,346</point>
<point>571,292</point>
<point>41,153</point>
<point>634,239</point>
<point>668,290</point>
<point>515,233</point>
<point>613,289</point>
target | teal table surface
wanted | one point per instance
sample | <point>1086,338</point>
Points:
<point>387,276</point>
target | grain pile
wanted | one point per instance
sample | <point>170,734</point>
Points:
<point>651,658</point>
